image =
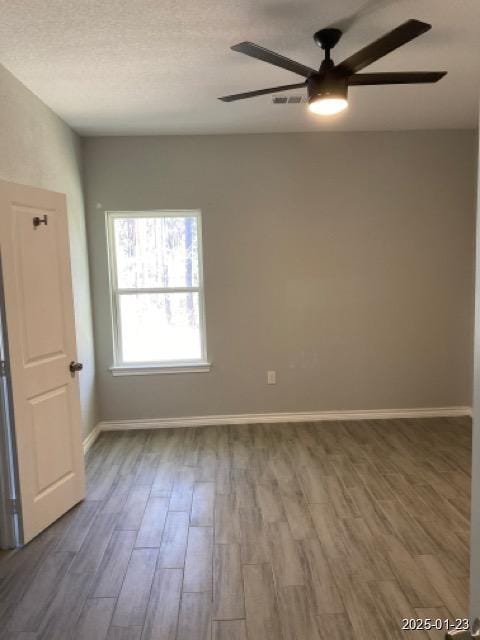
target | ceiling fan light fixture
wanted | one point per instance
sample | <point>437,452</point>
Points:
<point>327,105</point>
<point>327,95</point>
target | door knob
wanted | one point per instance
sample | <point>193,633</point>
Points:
<point>75,366</point>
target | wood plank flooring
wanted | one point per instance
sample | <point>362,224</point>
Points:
<point>261,532</point>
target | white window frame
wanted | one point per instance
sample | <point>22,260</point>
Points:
<point>120,367</point>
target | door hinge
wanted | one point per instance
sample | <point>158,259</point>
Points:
<point>13,506</point>
<point>3,368</point>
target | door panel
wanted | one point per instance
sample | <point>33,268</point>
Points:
<point>39,275</point>
<point>49,414</point>
<point>41,337</point>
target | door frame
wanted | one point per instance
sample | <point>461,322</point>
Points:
<point>10,520</point>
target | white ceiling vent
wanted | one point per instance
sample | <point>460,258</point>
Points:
<point>289,99</point>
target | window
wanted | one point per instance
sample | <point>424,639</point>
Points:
<point>157,290</point>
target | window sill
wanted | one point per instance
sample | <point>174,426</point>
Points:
<point>156,369</point>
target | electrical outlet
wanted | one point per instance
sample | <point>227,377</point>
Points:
<point>271,377</point>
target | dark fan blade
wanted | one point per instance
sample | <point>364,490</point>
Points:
<point>387,43</point>
<point>255,51</point>
<point>402,77</point>
<point>261,92</point>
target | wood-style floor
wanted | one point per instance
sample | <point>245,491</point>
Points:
<point>261,532</point>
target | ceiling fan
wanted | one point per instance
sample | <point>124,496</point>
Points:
<point>327,88</point>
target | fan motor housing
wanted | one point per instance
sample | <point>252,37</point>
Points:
<point>328,85</point>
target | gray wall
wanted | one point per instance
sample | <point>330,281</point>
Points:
<point>342,260</point>
<point>37,148</point>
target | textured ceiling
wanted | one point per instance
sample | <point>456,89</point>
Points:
<point>145,66</point>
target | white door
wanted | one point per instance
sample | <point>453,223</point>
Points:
<point>34,250</point>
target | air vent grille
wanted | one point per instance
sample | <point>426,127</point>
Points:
<point>289,99</point>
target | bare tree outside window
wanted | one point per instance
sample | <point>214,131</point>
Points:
<point>157,286</point>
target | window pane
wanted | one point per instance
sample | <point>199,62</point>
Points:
<point>160,326</point>
<point>156,252</point>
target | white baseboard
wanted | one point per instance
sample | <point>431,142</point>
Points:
<point>255,418</point>
<point>92,436</point>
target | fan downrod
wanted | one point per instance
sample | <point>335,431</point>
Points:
<point>327,38</point>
